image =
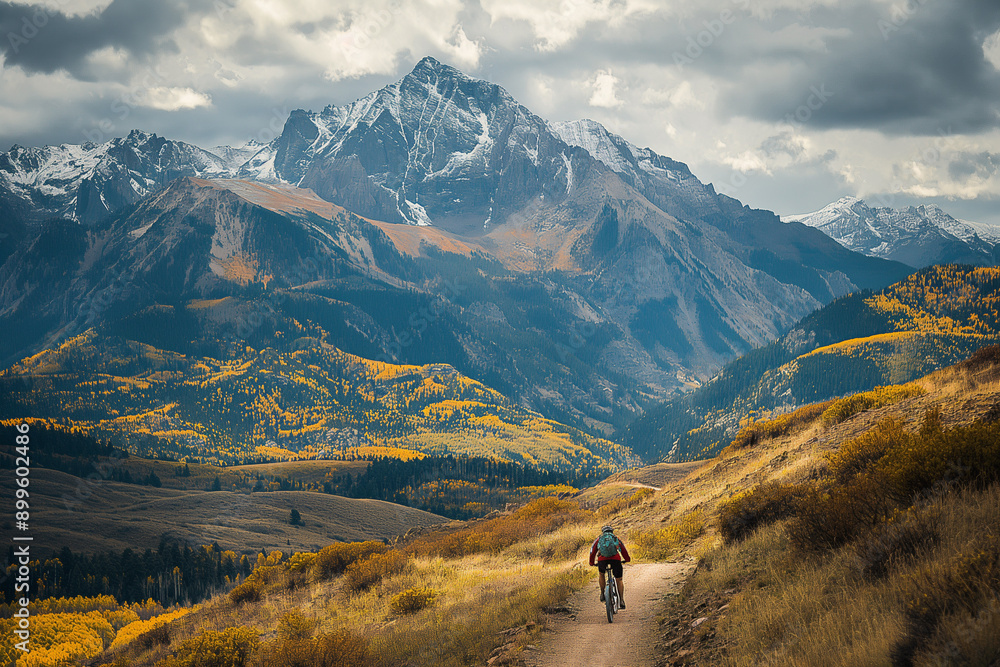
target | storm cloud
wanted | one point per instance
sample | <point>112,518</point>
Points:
<point>42,39</point>
<point>918,68</point>
<point>785,103</point>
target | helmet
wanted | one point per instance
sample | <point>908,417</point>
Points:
<point>607,529</point>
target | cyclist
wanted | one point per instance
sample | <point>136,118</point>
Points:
<point>610,552</point>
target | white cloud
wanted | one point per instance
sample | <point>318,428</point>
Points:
<point>174,99</point>
<point>747,162</point>
<point>681,95</point>
<point>991,49</point>
<point>555,23</point>
<point>603,84</point>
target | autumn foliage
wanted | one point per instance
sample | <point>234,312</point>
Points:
<point>492,535</point>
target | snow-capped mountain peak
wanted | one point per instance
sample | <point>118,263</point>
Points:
<point>916,235</point>
<point>437,146</point>
<point>87,182</point>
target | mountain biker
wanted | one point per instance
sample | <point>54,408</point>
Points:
<point>610,552</point>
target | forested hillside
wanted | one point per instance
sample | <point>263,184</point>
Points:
<point>932,319</point>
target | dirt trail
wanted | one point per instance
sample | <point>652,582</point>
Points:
<point>589,640</point>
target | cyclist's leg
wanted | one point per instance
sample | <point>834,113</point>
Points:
<point>618,572</point>
<point>601,580</point>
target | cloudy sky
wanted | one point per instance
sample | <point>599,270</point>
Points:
<point>785,104</point>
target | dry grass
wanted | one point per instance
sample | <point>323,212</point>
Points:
<point>663,543</point>
<point>405,605</point>
<point>938,603</point>
<point>847,407</point>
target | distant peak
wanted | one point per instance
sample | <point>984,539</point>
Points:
<point>428,62</point>
<point>431,65</point>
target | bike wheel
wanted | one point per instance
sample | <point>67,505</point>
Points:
<point>609,601</point>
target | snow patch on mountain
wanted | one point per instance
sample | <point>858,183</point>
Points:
<point>596,140</point>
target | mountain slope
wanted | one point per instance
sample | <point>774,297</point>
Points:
<point>688,277</point>
<point>918,235</point>
<point>931,319</point>
<point>300,396</point>
<point>579,275</point>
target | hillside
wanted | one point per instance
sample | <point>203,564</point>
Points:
<point>113,516</point>
<point>871,541</point>
<point>856,541</point>
<point>305,399</point>
<point>930,320</point>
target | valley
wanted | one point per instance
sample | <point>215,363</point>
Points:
<point>365,393</point>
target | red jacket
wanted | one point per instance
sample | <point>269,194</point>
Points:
<point>622,554</point>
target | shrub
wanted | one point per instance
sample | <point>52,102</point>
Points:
<point>766,503</point>
<point>300,562</point>
<point>893,542</point>
<point>753,433</point>
<point>845,408</point>
<point>861,453</point>
<point>248,591</point>
<point>336,649</point>
<point>365,573</point>
<point>295,625</point>
<point>826,518</point>
<point>935,460</point>
<point>658,544</point>
<point>619,504</point>
<point>334,559</point>
<point>412,600</point>
<point>230,648</point>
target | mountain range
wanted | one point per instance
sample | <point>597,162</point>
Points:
<point>917,235</point>
<point>434,221</point>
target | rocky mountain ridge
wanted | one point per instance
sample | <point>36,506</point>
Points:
<point>917,235</point>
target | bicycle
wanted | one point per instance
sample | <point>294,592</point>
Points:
<point>612,603</point>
